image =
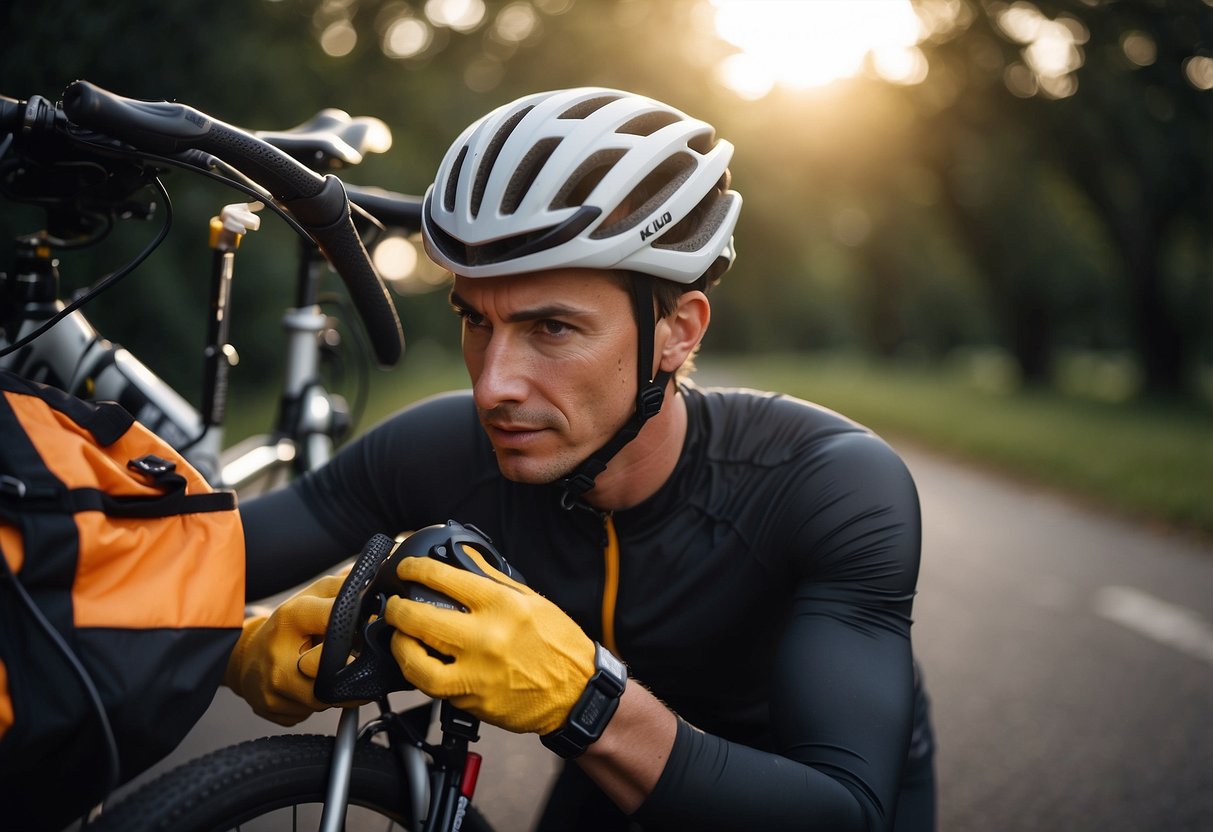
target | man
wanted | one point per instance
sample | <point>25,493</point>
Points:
<point>750,558</point>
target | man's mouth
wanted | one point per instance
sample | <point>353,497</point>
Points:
<point>510,435</point>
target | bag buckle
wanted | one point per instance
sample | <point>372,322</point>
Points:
<point>151,465</point>
<point>160,471</point>
<point>10,486</point>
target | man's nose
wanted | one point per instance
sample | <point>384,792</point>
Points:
<point>502,377</point>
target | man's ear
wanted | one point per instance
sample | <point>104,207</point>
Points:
<point>679,333</point>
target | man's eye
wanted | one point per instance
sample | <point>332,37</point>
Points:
<point>472,319</point>
<point>551,327</point>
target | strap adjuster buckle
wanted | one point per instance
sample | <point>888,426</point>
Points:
<point>649,400</point>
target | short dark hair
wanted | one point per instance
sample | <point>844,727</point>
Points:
<point>665,297</point>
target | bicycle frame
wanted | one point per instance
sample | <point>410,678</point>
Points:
<point>310,419</point>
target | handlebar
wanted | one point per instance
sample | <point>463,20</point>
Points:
<point>35,113</point>
<point>319,203</point>
<point>389,207</point>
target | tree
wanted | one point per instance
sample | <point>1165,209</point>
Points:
<point>1123,119</point>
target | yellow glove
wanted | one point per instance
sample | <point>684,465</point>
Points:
<point>519,662</point>
<point>274,663</point>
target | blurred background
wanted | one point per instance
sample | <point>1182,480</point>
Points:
<point>919,177</point>
<point>1006,203</point>
<point>980,227</point>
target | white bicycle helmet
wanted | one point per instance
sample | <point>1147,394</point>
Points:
<point>586,177</point>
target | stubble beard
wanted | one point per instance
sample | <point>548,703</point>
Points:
<point>525,466</point>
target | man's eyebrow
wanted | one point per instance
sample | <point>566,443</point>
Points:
<point>538,313</point>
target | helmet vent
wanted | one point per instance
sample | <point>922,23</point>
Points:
<point>643,200</point>
<point>514,247</point>
<point>525,173</point>
<point>585,178</point>
<point>702,142</point>
<point>589,177</point>
<point>696,229</point>
<point>490,158</point>
<point>647,124</point>
<point>585,108</point>
<point>452,181</point>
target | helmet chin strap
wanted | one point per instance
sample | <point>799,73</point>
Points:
<point>649,396</point>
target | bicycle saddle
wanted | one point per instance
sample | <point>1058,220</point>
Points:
<point>331,139</point>
<point>357,627</point>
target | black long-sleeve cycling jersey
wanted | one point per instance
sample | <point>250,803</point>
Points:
<point>764,593</point>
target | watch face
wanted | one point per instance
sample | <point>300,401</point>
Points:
<point>606,661</point>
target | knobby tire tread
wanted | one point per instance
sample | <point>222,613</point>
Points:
<point>213,792</point>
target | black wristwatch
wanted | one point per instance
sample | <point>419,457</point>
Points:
<point>593,710</point>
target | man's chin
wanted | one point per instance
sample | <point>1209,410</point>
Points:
<point>530,471</point>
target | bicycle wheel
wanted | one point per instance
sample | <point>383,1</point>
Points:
<point>272,783</point>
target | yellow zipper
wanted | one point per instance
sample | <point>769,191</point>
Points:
<point>610,587</point>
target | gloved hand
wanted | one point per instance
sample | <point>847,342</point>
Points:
<point>276,658</point>
<point>519,662</point>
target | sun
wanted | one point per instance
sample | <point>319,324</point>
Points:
<point>812,43</point>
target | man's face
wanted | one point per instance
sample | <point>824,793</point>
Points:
<point>552,359</point>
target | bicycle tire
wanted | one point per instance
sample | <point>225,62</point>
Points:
<point>244,783</point>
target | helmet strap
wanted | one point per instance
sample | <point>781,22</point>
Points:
<point>650,394</point>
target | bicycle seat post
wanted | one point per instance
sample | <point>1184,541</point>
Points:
<point>226,232</point>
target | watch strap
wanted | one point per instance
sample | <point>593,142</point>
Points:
<point>593,710</point>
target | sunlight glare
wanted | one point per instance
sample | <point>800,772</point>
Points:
<point>746,75</point>
<point>398,261</point>
<point>460,15</point>
<point>406,37</point>
<point>1199,70</point>
<point>811,44</point>
<point>1050,50</point>
<point>395,259</point>
<point>901,66</point>
<point>515,23</point>
<point>1139,48</point>
<point>338,39</point>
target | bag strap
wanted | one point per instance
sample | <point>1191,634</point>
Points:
<point>35,498</point>
<point>94,499</point>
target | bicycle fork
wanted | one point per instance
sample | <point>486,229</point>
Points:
<point>443,792</point>
<point>337,794</point>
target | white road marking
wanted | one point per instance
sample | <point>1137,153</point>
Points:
<point>1177,627</point>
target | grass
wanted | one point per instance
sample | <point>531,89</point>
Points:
<point>1150,461</point>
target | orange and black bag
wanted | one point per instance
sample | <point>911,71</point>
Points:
<point>121,596</point>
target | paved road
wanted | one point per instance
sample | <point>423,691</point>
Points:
<point>1069,656</point>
